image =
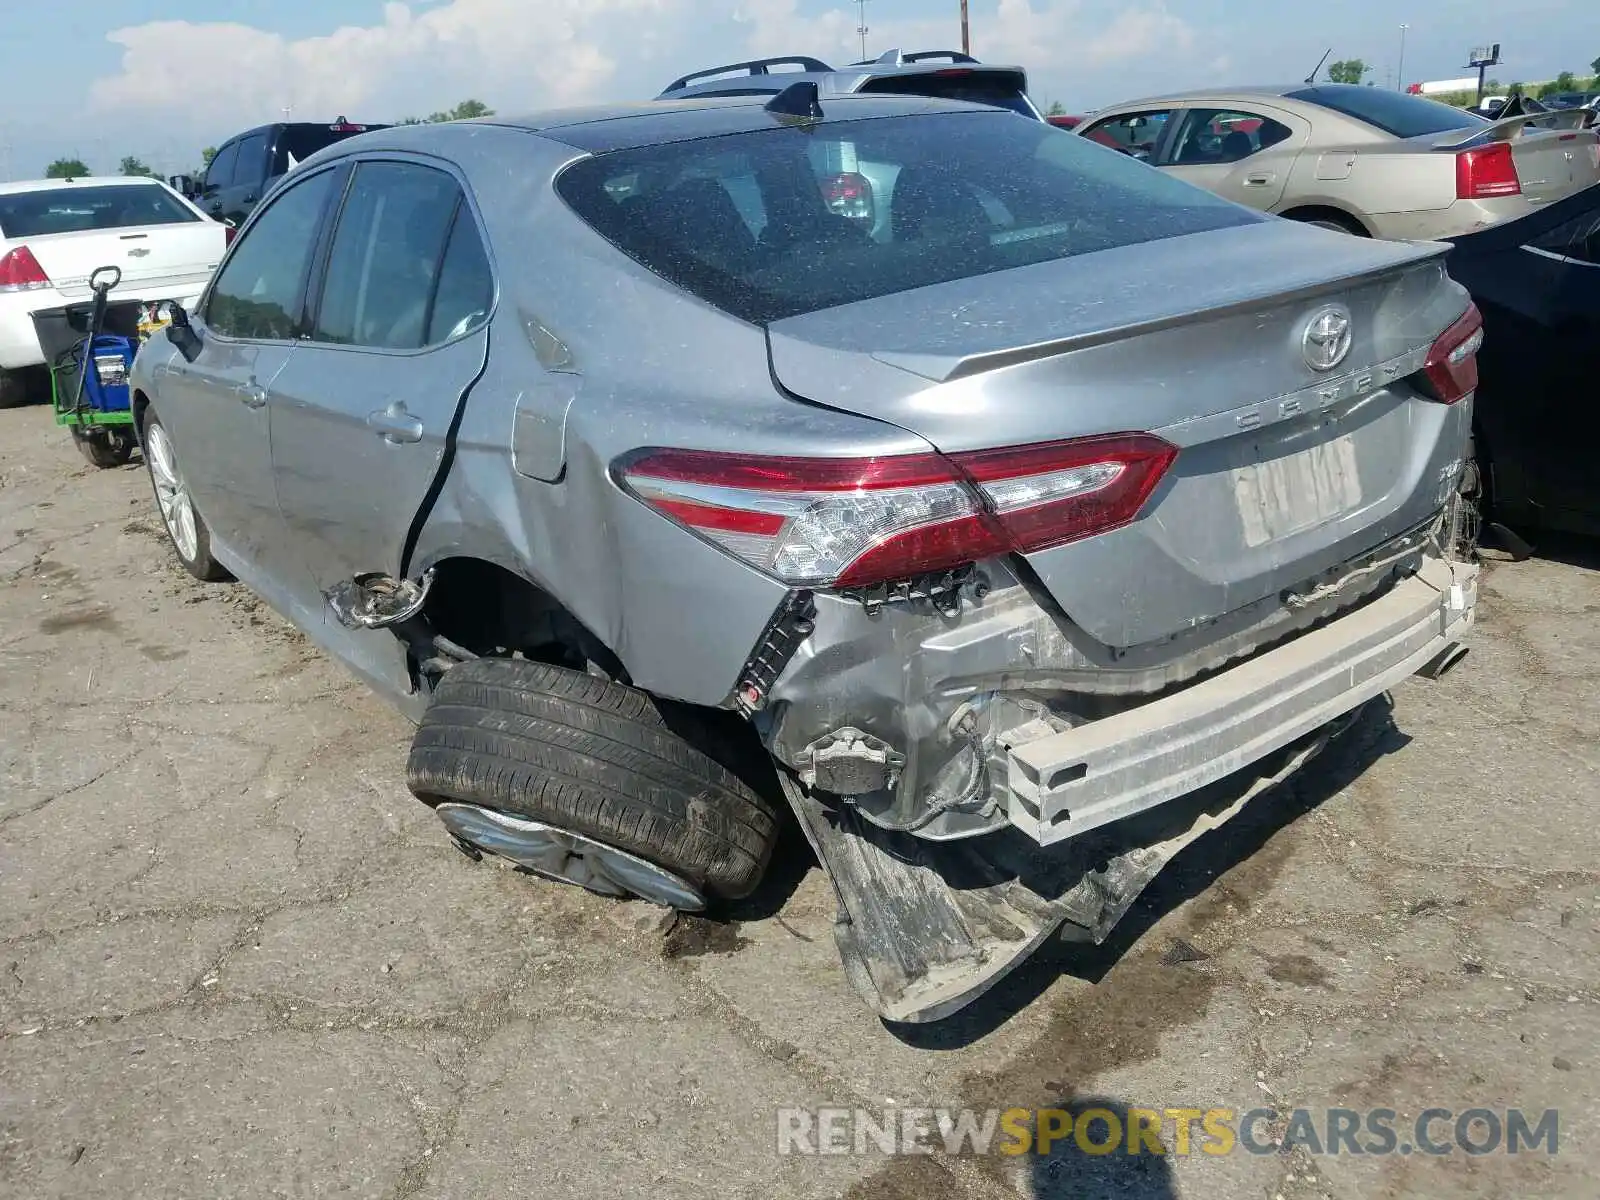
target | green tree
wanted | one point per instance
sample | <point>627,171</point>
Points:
<point>1056,109</point>
<point>1564,82</point>
<point>1595,66</point>
<point>207,155</point>
<point>464,111</point>
<point>133,166</point>
<point>67,168</point>
<point>1348,70</point>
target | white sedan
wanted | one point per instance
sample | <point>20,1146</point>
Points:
<point>54,233</point>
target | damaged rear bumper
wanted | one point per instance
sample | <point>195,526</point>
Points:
<point>1069,782</point>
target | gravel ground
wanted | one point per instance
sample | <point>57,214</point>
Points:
<point>238,959</point>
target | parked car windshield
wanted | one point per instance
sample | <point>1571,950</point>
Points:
<point>75,209</point>
<point>794,219</point>
<point>1397,113</point>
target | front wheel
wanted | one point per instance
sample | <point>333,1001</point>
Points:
<point>185,527</point>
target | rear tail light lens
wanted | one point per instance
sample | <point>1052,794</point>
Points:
<point>232,231</point>
<point>1452,364</point>
<point>1485,172</point>
<point>855,522</point>
<point>848,195</point>
<point>20,272</point>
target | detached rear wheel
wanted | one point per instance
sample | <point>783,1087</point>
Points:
<point>591,781</point>
<point>190,537</point>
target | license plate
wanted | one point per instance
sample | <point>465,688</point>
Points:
<point>1282,497</point>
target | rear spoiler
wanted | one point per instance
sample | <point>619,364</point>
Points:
<point>1510,128</point>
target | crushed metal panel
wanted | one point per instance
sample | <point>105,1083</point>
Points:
<point>925,928</point>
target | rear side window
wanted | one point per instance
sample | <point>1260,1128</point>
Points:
<point>1397,113</point>
<point>386,256</point>
<point>998,89</point>
<point>466,286</point>
<point>790,220</point>
<point>75,209</point>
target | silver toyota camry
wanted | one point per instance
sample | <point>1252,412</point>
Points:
<point>1005,508</point>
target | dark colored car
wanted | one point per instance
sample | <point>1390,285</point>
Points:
<point>1537,282</point>
<point>245,166</point>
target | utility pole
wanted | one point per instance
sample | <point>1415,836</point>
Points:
<point>1400,83</point>
<point>861,28</point>
<point>966,34</point>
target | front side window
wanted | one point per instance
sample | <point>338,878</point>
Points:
<point>251,163</point>
<point>257,293</point>
<point>77,209</point>
<point>1217,136</point>
<point>1135,134</point>
<point>220,173</point>
<point>386,256</point>
<point>790,220</point>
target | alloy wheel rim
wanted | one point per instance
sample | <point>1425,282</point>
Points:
<point>568,857</point>
<point>177,510</point>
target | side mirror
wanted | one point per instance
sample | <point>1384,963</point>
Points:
<point>184,185</point>
<point>182,334</point>
<point>1138,122</point>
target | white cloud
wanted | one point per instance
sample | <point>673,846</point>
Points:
<point>213,77</point>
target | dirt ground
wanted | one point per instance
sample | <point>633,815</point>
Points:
<point>238,959</point>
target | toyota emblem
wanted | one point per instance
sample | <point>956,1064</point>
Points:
<point>1327,339</point>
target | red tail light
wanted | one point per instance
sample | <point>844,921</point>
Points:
<point>20,272</point>
<point>231,232</point>
<point>1452,365</point>
<point>1486,171</point>
<point>854,522</point>
<point>849,195</point>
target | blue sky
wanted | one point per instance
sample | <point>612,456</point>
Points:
<point>164,79</point>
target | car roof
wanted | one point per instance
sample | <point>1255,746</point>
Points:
<point>43,185</point>
<point>602,128</point>
<point>1263,91</point>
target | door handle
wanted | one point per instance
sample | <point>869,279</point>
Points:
<point>1260,179</point>
<point>252,394</point>
<point>394,424</point>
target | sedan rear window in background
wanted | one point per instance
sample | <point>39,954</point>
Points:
<point>791,220</point>
<point>1397,113</point>
<point>74,209</point>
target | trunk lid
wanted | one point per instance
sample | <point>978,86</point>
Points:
<point>1283,471</point>
<point>1554,155</point>
<point>150,256</point>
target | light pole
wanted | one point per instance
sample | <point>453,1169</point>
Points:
<point>966,36</point>
<point>1400,71</point>
<point>861,7</point>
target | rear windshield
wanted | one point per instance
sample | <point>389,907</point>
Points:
<point>791,220</point>
<point>1398,113</point>
<point>74,209</point>
<point>296,143</point>
<point>998,89</point>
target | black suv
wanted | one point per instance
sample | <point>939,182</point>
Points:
<point>246,165</point>
<point>945,74</point>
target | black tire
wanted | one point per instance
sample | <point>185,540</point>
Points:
<point>14,388</point>
<point>105,448</point>
<point>596,758</point>
<point>1327,219</point>
<point>200,564</point>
